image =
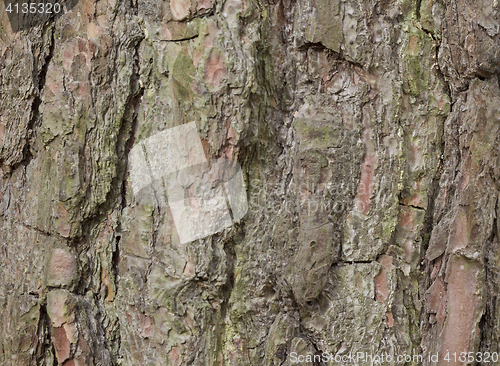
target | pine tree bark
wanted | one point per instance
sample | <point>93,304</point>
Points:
<point>369,137</point>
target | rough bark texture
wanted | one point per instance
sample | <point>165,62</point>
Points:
<point>368,132</point>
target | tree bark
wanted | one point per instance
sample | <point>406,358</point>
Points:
<point>368,133</point>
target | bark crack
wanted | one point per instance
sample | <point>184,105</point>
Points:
<point>39,81</point>
<point>411,206</point>
<point>42,342</point>
<point>40,231</point>
<point>486,324</point>
<point>179,39</point>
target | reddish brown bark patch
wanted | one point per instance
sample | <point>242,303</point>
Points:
<point>62,268</point>
<point>390,319</point>
<point>463,305</point>
<point>61,344</point>
<point>69,363</point>
<point>381,289</point>
<point>180,9</point>
<point>147,327</point>
<point>365,187</point>
<point>174,357</point>
<point>214,70</point>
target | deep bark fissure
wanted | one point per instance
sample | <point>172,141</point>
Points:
<point>39,81</point>
<point>417,9</point>
<point>186,39</point>
<point>411,206</point>
<point>487,322</point>
<point>136,103</point>
<point>226,291</point>
<point>42,342</point>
